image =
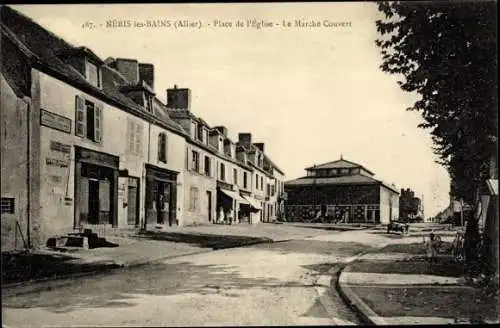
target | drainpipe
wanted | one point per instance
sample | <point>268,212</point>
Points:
<point>26,100</point>
<point>144,223</point>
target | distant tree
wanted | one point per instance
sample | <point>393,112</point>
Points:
<point>445,51</point>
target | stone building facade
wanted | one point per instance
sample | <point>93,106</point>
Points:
<point>91,145</point>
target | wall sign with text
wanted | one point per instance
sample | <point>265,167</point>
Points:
<point>55,121</point>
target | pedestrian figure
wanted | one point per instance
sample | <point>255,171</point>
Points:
<point>432,245</point>
<point>229,215</point>
<point>220,217</point>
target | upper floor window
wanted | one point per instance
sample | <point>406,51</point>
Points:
<point>93,73</point>
<point>195,161</point>
<point>207,166</point>
<point>162,147</point>
<point>261,183</point>
<point>235,176</point>
<point>134,137</point>
<point>222,172</point>
<point>355,171</point>
<point>256,181</point>
<point>344,171</point>
<point>88,120</point>
<point>245,181</point>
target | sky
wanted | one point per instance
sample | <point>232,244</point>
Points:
<point>310,93</point>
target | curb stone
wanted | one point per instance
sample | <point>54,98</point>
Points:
<point>326,301</point>
<point>337,270</point>
<point>365,313</point>
<point>360,307</point>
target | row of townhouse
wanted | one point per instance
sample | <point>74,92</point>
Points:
<point>87,142</point>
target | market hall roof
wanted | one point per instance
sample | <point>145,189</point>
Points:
<point>341,180</point>
<point>338,164</point>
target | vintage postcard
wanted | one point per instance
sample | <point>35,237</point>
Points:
<point>215,164</point>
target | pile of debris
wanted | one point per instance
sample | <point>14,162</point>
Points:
<point>85,239</point>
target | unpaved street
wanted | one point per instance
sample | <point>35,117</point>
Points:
<point>267,284</point>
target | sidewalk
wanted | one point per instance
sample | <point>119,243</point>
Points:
<point>20,269</point>
<point>397,285</point>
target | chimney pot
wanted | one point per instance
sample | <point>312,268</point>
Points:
<point>179,98</point>
<point>245,138</point>
<point>129,68</point>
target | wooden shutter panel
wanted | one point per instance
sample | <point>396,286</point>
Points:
<point>80,117</point>
<point>138,138</point>
<point>165,148</point>
<point>160,157</point>
<point>98,123</point>
<point>162,140</point>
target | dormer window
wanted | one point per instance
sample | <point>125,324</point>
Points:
<point>93,73</point>
<point>149,103</point>
<point>194,130</point>
<point>200,134</point>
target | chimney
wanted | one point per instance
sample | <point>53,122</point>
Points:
<point>245,138</point>
<point>259,145</point>
<point>129,68</point>
<point>147,74</point>
<point>221,129</point>
<point>179,98</point>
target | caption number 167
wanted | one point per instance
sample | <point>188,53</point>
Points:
<point>88,25</point>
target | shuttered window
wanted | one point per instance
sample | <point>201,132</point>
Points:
<point>162,147</point>
<point>134,137</point>
<point>88,119</point>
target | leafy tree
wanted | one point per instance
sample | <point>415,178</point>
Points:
<point>446,52</point>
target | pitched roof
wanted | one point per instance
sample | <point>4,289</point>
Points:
<point>45,49</point>
<point>342,180</point>
<point>338,164</point>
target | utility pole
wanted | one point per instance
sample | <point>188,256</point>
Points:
<point>314,191</point>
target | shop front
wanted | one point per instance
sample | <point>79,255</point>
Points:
<point>253,210</point>
<point>229,203</point>
<point>96,188</point>
<point>161,196</point>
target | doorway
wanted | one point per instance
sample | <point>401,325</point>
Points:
<point>133,201</point>
<point>93,202</point>
<point>209,203</point>
<point>163,202</point>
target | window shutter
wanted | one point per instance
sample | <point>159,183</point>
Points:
<point>130,136</point>
<point>80,117</point>
<point>165,148</point>
<point>162,147</point>
<point>138,138</point>
<point>98,123</point>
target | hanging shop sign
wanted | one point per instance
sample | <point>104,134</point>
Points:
<point>55,121</point>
